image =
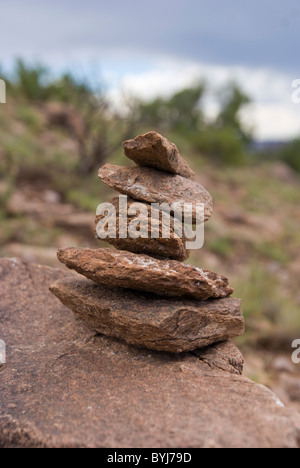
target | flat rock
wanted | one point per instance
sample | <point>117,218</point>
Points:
<point>149,321</point>
<point>143,273</point>
<point>153,186</point>
<point>153,150</point>
<point>225,356</point>
<point>173,247</point>
<point>65,386</point>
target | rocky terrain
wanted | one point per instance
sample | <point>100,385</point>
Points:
<point>253,236</point>
<point>66,386</point>
<point>263,273</point>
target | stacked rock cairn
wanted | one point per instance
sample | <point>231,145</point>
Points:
<point>142,292</point>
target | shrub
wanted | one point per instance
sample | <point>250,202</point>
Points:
<point>290,154</point>
<point>223,146</point>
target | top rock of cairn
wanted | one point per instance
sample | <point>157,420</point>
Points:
<point>146,296</point>
<point>153,150</point>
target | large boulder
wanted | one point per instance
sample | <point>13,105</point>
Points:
<point>65,386</point>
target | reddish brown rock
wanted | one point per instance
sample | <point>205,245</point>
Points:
<point>149,321</point>
<point>173,248</point>
<point>143,273</point>
<point>65,386</point>
<point>153,150</point>
<point>225,356</point>
<point>152,186</point>
<point>222,356</point>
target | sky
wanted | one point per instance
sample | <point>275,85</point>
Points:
<point>158,47</point>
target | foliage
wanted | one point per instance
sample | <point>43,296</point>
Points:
<point>232,102</point>
<point>221,145</point>
<point>290,154</point>
<point>31,81</point>
<point>223,141</point>
<point>181,112</point>
<point>84,112</point>
<point>221,246</point>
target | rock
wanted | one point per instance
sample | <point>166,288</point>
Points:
<point>143,273</point>
<point>225,356</point>
<point>284,173</point>
<point>283,364</point>
<point>153,150</point>
<point>153,186</point>
<point>173,248</point>
<point>32,253</point>
<point>4,187</point>
<point>291,384</point>
<point>64,386</point>
<point>41,206</point>
<point>65,116</point>
<point>149,321</point>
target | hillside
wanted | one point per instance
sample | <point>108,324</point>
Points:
<point>48,201</point>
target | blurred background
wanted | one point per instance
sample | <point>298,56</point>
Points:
<point>216,78</point>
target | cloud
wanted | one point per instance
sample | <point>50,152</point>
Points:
<point>275,121</point>
<point>272,114</point>
<point>229,33</point>
<point>159,47</point>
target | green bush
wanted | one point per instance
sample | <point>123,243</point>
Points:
<point>222,246</point>
<point>181,112</point>
<point>35,82</point>
<point>222,146</point>
<point>31,80</point>
<point>30,117</point>
<point>290,154</point>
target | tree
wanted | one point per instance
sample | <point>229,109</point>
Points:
<point>221,145</point>
<point>225,139</point>
<point>181,112</point>
<point>290,154</point>
<point>233,99</point>
<point>71,103</point>
<point>31,80</point>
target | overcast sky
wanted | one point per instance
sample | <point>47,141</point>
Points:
<point>157,47</point>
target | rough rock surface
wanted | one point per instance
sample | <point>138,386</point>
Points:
<point>153,186</point>
<point>225,356</point>
<point>122,269</point>
<point>153,150</point>
<point>65,386</point>
<point>173,248</point>
<point>149,321</point>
